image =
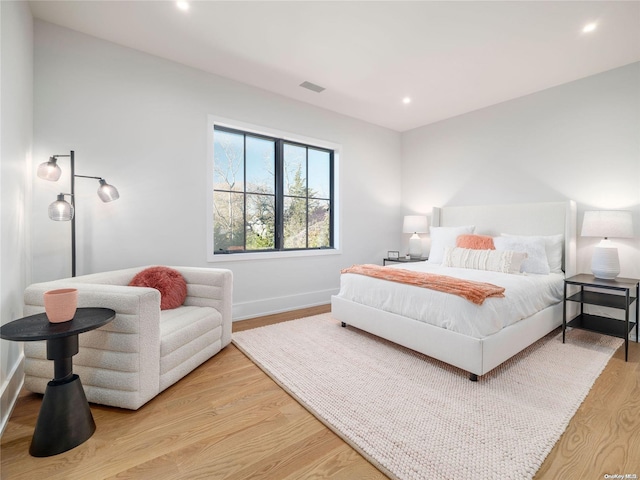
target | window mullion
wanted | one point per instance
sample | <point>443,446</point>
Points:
<point>244,190</point>
<point>306,174</point>
<point>279,174</point>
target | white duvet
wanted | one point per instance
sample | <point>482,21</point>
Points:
<point>524,296</point>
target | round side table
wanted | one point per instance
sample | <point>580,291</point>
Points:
<point>65,420</point>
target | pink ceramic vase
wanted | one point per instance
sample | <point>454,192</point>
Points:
<point>60,305</point>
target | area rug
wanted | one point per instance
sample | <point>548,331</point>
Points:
<point>417,418</point>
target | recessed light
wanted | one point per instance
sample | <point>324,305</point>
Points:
<point>406,100</point>
<point>589,27</point>
<point>184,6</point>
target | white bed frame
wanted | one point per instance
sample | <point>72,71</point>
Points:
<point>476,356</point>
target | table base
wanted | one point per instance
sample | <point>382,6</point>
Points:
<point>65,420</point>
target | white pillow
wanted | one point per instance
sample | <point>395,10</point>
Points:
<point>553,245</point>
<point>505,261</point>
<point>442,237</point>
<point>536,261</point>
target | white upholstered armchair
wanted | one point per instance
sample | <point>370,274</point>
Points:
<point>143,350</point>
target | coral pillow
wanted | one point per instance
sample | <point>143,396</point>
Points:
<point>171,285</point>
<point>475,242</point>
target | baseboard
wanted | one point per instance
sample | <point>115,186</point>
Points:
<point>10,391</point>
<point>270,306</point>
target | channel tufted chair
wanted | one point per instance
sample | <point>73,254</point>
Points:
<point>144,350</point>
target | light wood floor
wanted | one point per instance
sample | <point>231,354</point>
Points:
<point>228,420</point>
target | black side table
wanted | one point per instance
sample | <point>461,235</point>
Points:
<point>65,419</point>
<point>630,290</point>
<point>403,260</point>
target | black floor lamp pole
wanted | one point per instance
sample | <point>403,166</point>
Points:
<point>73,219</point>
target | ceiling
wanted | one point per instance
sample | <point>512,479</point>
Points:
<point>449,57</point>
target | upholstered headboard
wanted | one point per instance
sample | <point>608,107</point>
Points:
<point>519,219</point>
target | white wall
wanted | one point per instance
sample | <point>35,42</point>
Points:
<point>141,122</point>
<point>16,118</point>
<point>579,141</point>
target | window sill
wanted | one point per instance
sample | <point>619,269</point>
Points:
<point>238,257</point>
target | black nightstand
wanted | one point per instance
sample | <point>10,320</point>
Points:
<point>403,260</point>
<point>596,323</point>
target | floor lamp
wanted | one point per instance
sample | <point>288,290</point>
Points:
<point>61,210</point>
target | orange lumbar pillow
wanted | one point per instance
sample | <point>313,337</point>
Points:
<point>475,242</point>
<point>169,282</point>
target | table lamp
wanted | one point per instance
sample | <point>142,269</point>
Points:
<point>605,263</point>
<point>415,224</point>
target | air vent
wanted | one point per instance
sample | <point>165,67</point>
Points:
<point>312,86</point>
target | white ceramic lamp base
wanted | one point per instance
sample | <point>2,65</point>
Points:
<point>605,263</point>
<point>415,246</point>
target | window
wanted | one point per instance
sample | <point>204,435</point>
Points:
<point>270,194</point>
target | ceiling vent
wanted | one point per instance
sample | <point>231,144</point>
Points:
<point>312,86</point>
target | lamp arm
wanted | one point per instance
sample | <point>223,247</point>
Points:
<point>86,176</point>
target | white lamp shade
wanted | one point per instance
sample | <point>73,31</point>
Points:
<point>49,170</point>
<point>607,223</point>
<point>415,224</point>
<point>61,210</point>
<point>106,192</point>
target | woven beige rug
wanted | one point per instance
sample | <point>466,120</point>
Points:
<point>417,418</point>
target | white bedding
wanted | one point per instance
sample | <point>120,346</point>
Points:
<point>524,296</point>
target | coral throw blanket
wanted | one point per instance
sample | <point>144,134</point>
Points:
<point>476,292</point>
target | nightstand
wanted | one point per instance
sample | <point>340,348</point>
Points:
<point>630,287</point>
<point>403,260</point>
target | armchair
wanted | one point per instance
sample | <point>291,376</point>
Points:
<point>143,350</point>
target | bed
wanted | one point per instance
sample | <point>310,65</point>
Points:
<point>477,351</point>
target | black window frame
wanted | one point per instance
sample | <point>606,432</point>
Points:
<point>279,195</point>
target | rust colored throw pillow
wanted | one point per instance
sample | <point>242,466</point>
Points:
<point>169,282</point>
<point>475,242</point>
